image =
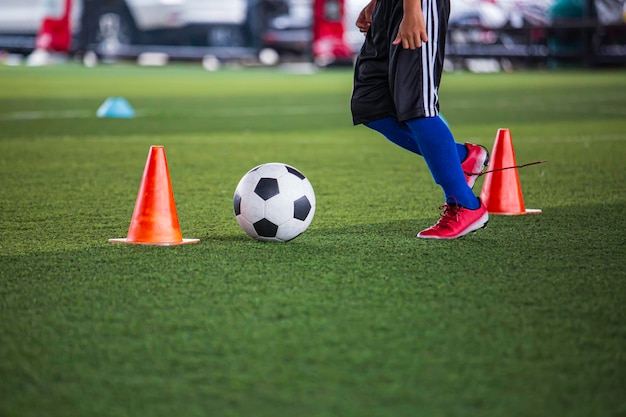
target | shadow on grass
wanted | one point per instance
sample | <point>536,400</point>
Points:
<point>579,240</point>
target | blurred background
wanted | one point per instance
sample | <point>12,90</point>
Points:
<point>485,35</point>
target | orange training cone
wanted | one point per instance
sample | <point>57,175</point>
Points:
<point>154,220</point>
<point>502,192</point>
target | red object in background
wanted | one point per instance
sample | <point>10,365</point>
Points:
<point>55,32</point>
<point>329,44</point>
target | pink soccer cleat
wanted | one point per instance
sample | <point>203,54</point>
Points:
<point>456,221</point>
<point>476,160</point>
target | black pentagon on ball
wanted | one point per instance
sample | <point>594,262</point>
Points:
<point>301,208</point>
<point>265,228</point>
<point>237,204</point>
<point>295,172</point>
<point>267,188</point>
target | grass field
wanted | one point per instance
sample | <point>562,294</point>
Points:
<point>356,317</point>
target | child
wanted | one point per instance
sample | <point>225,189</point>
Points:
<point>395,92</point>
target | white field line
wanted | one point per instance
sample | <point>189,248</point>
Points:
<point>561,139</point>
<point>52,114</point>
<point>209,113</point>
<point>571,106</point>
<point>575,139</point>
<point>270,111</point>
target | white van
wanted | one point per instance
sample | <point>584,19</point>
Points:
<point>124,27</point>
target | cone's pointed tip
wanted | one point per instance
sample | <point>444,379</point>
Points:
<point>157,148</point>
<point>503,132</point>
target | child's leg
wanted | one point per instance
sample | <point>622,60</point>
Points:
<point>436,143</point>
<point>395,132</point>
<point>400,134</point>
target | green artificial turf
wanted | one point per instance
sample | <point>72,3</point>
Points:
<point>356,317</point>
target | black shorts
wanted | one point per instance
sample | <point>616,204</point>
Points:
<point>392,81</point>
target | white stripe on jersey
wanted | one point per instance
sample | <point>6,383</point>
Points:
<point>429,57</point>
<point>425,67</point>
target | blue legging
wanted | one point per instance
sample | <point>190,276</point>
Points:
<point>431,138</point>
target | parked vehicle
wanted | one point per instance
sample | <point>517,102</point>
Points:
<point>336,39</point>
<point>286,26</point>
<point>180,28</point>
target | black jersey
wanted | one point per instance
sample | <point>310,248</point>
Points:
<point>392,81</point>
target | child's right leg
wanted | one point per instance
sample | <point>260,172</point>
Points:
<point>400,134</point>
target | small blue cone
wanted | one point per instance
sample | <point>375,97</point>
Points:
<point>116,107</point>
<point>444,120</point>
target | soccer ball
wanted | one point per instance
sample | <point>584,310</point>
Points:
<point>274,202</point>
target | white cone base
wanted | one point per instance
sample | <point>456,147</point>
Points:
<point>528,211</point>
<point>125,240</point>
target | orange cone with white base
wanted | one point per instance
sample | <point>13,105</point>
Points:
<point>502,191</point>
<point>154,220</point>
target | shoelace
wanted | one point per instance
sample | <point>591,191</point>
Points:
<point>449,214</point>
<point>479,174</point>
